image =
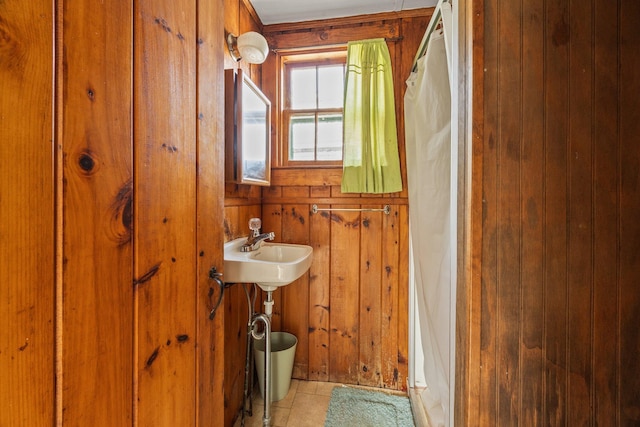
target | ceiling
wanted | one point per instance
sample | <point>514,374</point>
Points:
<point>281,11</point>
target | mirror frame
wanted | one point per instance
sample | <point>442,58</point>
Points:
<point>236,83</point>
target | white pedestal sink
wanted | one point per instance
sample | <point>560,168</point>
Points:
<point>271,266</point>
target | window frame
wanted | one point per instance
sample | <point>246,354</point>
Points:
<point>296,59</point>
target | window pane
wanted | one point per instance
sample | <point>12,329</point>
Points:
<point>330,137</point>
<point>313,100</point>
<point>302,137</point>
<point>330,86</point>
<point>303,88</point>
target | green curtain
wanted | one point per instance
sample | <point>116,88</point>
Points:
<point>370,155</point>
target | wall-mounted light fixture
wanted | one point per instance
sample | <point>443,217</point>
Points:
<point>250,46</point>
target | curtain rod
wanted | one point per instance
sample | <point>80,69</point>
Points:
<point>386,209</point>
<point>433,24</point>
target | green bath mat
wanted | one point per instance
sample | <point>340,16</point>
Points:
<point>355,407</point>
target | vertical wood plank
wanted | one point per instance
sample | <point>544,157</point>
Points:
<point>580,211</point>
<point>391,282</point>
<point>605,186</point>
<point>509,256</point>
<point>97,305</point>
<point>469,307</point>
<point>555,214</point>
<point>488,348</point>
<point>403,300</point>
<point>345,259</point>
<point>27,234</point>
<point>319,291</point>
<point>370,316</point>
<point>165,115</point>
<point>295,296</point>
<point>235,347</point>
<point>210,210</point>
<point>629,206</point>
<point>532,208</point>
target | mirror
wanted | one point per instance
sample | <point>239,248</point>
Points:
<point>247,131</point>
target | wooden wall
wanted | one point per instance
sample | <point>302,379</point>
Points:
<point>27,215</point>
<point>556,268</point>
<point>96,312</point>
<point>241,202</point>
<point>349,312</point>
<point>111,212</point>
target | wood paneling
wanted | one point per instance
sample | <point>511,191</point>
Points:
<point>241,203</point>
<point>165,267</point>
<point>272,222</point>
<point>210,211</point>
<point>627,200</point>
<point>105,319</point>
<point>27,214</point>
<point>399,225</point>
<point>370,301</point>
<point>559,140</point>
<point>531,204</point>
<point>555,214</point>
<point>333,33</point>
<point>348,21</point>
<point>470,90</point>
<point>605,296</point>
<point>350,311</point>
<point>97,205</point>
<point>295,296</point>
<point>345,296</point>
<point>508,226</point>
<point>319,295</point>
<point>236,219</point>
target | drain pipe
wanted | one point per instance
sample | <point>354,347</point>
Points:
<point>268,304</point>
<point>266,334</point>
<point>248,365</point>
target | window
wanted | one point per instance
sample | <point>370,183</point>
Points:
<point>312,94</point>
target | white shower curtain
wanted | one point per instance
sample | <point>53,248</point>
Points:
<point>428,143</point>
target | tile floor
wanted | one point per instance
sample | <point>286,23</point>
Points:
<point>305,405</point>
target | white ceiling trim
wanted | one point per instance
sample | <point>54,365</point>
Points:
<point>281,11</point>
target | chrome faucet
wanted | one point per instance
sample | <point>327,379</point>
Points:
<point>255,238</point>
<point>253,241</point>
